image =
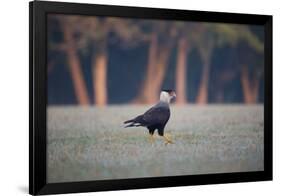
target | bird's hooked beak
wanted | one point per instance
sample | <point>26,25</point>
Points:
<point>173,95</point>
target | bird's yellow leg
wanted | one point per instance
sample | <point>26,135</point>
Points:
<point>167,140</point>
<point>151,139</point>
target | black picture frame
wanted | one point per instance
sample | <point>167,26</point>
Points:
<point>38,11</point>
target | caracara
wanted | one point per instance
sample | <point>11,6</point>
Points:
<point>156,117</point>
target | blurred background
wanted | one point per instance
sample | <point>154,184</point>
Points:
<point>107,60</point>
<point>123,64</point>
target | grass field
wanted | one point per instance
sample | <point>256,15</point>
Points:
<point>91,143</point>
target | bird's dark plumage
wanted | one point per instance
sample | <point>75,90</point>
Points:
<point>154,118</point>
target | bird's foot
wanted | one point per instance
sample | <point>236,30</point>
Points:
<point>151,139</point>
<point>168,140</point>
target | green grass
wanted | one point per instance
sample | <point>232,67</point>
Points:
<point>91,143</point>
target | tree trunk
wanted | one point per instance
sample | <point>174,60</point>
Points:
<point>250,89</point>
<point>160,72</point>
<point>202,97</point>
<point>75,67</point>
<point>146,91</point>
<point>99,71</point>
<point>181,71</point>
<point>156,69</point>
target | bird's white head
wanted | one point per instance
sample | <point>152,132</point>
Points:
<point>167,95</point>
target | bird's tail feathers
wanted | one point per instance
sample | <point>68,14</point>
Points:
<point>129,125</point>
<point>133,125</point>
<point>129,121</point>
<point>135,122</point>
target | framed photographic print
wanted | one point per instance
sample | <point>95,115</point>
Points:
<point>127,97</point>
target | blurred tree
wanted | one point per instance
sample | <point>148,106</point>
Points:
<point>250,88</point>
<point>99,40</point>
<point>92,36</point>
<point>218,34</point>
<point>69,46</point>
<point>250,49</point>
<point>94,32</point>
<point>181,68</point>
<point>251,71</point>
<point>160,37</point>
<point>205,45</point>
<point>186,38</point>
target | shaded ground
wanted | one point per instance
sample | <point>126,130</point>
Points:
<point>91,143</point>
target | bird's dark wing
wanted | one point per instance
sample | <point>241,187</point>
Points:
<point>156,115</point>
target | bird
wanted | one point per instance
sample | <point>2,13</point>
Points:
<point>156,117</point>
